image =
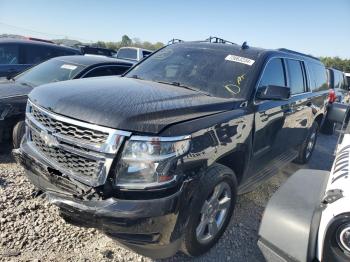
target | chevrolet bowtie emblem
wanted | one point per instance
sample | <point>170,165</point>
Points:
<point>48,139</point>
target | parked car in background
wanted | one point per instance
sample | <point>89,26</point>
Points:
<point>339,92</point>
<point>89,50</point>
<point>16,55</point>
<point>13,92</point>
<point>156,158</point>
<point>132,53</point>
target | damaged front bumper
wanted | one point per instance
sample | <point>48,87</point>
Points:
<point>152,227</point>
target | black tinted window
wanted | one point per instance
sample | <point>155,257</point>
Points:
<point>63,52</point>
<point>295,76</point>
<point>36,54</point>
<point>318,77</point>
<point>107,71</point>
<point>9,54</point>
<point>273,74</point>
<point>146,53</point>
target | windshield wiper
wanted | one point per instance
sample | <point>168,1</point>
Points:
<point>184,86</point>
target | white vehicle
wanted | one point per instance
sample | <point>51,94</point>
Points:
<point>132,53</point>
<point>348,78</point>
<point>308,218</point>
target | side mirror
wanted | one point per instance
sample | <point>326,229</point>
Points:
<point>272,92</point>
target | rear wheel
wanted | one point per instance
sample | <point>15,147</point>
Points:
<point>307,148</point>
<point>18,133</point>
<point>212,210</point>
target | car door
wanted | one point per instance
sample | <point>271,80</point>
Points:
<point>280,125</point>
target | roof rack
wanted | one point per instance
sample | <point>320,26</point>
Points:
<point>297,53</point>
<point>174,41</point>
<point>215,39</point>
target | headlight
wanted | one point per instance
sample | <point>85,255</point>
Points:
<point>147,162</point>
<point>343,237</point>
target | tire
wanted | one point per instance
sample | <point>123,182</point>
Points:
<point>306,149</point>
<point>17,134</point>
<point>198,239</point>
<point>328,127</point>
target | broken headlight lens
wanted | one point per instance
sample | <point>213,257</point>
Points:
<point>148,162</point>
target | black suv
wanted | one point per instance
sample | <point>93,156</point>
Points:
<point>16,55</point>
<point>156,159</point>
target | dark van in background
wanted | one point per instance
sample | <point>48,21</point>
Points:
<point>16,55</point>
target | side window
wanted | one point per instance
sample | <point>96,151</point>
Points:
<point>36,54</point>
<point>146,53</point>
<point>273,74</point>
<point>318,77</point>
<point>295,76</point>
<point>118,70</point>
<point>106,71</point>
<point>343,82</point>
<point>9,54</point>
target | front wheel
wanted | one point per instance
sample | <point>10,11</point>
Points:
<point>307,148</point>
<point>212,210</point>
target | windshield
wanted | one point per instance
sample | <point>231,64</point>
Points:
<point>127,53</point>
<point>215,71</point>
<point>50,71</point>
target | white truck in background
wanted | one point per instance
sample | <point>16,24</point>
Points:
<point>132,53</point>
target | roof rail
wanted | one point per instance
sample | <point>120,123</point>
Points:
<point>174,41</point>
<point>297,53</point>
<point>215,39</point>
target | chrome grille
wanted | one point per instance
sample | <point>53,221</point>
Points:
<point>78,149</point>
<point>74,163</point>
<point>69,130</point>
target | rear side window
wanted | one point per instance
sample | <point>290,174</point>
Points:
<point>36,54</point>
<point>295,76</point>
<point>106,71</point>
<point>146,53</point>
<point>318,77</point>
<point>9,54</point>
<point>273,73</point>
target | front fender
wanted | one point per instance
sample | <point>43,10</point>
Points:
<point>288,230</point>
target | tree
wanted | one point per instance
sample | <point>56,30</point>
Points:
<point>126,41</point>
<point>337,63</point>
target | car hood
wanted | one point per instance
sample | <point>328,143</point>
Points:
<point>10,89</point>
<point>127,104</point>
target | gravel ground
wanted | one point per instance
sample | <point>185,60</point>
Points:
<point>31,229</point>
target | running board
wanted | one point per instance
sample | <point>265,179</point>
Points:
<point>271,169</point>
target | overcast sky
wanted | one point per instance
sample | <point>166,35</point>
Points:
<point>321,28</point>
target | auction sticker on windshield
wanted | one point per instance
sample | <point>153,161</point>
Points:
<point>69,67</point>
<point>239,59</point>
